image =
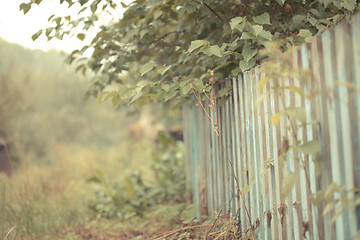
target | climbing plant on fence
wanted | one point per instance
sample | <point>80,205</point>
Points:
<point>285,85</point>
<point>282,131</point>
<point>164,45</point>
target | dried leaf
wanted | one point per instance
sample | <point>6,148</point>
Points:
<point>288,183</point>
<point>310,148</point>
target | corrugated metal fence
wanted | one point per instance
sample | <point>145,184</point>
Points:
<point>321,80</point>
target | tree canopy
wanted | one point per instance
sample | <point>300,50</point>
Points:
<point>165,45</point>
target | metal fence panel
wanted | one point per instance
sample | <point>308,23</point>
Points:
<point>248,151</point>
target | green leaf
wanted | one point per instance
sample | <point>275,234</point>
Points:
<point>81,36</point>
<point>248,52</point>
<point>329,207</point>
<point>281,2</point>
<point>294,89</point>
<point>147,67</point>
<point>317,167</point>
<point>116,100</point>
<point>298,113</point>
<point>51,17</point>
<point>326,3</point>
<point>337,214</point>
<point>245,35</point>
<point>82,2</point>
<point>222,65</point>
<point>257,29</point>
<point>298,19</point>
<point>48,32</point>
<point>111,94</point>
<point>93,179</point>
<point>262,83</point>
<point>169,95</point>
<point>157,14</point>
<point>143,33</point>
<point>259,99</point>
<point>267,44</point>
<point>240,27</point>
<point>222,101</point>
<point>196,44</point>
<point>262,19</point>
<point>142,101</point>
<point>215,50</point>
<point>163,69</point>
<point>99,98</point>
<point>310,148</point>
<point>126,92</point>
<point>235,21</point>
<point>25,7</point>
<point>245,189</point>
<point>349,4</point>
<point>93,7</point>
<point>304,33</point>
<point>123,5</point>
<point>246,65</point>
<point>185,89</point>
<point>36,35</point>
<point>144,83</point>
<point>312,21</point>
<point>198,84</point>
<point>288,183</point>
<point>266,35</point>
<point>165,86</point>
<point>224,91</point>
<point>275,119</point>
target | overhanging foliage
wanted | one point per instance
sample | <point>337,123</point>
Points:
<point>164,45</point>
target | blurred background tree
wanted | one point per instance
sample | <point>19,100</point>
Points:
<point>42,103</point>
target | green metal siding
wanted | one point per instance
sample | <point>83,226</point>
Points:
<point>250,139</point>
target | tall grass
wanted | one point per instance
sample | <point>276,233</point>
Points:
<point>5,235</point>
<point>48,198</point>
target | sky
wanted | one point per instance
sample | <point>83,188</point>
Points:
<point>18,28</point>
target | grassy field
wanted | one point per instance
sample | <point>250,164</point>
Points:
<point>53,201</point>
<point>50,201</point>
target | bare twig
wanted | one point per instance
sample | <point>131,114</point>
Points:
<point>215,13</point>
<point>273,13</point>
<point>179,230</point>
<point>169,33</point>
<point>207,234</point>
<point>217,131</point>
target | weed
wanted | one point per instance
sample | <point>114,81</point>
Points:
<point>8,233</point>
<point>132,195</point>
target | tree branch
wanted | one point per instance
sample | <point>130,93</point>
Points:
<point>169,33</point>
<point>273,13</point>
<point>215,13</point>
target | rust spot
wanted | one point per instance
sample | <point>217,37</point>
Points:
<point>268,218</point>
<point>282,212</point>
<point>284,148</point>
<point>257,223</point>
<point>203,202</point>
<point>306,228</point>
<point>297,206</point>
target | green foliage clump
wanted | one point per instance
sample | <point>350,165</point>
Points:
<point>132,195</point>
<point>166,45</point>
<point>168,168</point>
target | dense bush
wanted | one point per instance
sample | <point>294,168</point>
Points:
<point>132,195</point>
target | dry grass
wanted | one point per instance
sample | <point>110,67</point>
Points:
<point>49,201</point>
<point>44,199</point>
